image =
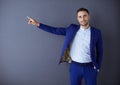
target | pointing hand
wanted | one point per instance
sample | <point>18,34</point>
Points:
<point>33,21</point>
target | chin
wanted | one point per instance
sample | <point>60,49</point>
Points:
<point>83,24</point>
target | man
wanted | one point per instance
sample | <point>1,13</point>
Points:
<point>82,48</point>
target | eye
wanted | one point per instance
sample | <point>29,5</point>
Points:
<point>79,16</point>
<point>85,15</point>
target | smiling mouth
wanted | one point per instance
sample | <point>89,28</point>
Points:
<point>83,22</point>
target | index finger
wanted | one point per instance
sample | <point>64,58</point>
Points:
<point>29,17</point>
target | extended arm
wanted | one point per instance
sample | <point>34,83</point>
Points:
<point>54,30</point>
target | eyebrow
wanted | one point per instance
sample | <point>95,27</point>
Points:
<point>83,15</point>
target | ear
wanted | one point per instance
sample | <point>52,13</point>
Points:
<point>89,16</point>
<point>77,17</point>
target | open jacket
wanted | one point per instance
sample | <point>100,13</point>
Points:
<point>96,47</point>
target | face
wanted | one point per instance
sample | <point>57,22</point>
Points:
<point>83,18</point>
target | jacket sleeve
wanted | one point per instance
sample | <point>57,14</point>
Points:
<point>99,49</point>
<point>54,30</point>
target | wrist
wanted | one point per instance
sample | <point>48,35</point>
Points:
<point>37,24</point>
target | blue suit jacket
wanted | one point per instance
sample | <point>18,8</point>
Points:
<point>96,47</point>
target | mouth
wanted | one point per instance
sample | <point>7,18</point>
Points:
<point>83,23</point>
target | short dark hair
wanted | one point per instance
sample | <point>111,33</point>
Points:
<point>83,9</point>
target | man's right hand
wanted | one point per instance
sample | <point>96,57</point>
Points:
<point>33,21</point>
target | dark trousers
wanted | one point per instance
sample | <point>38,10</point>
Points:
<point>86,71</point>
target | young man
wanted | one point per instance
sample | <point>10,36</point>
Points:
<point>82,48</point>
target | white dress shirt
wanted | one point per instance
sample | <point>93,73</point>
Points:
<point>80,47</point>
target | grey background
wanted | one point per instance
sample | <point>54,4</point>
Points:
<point>29,56</point>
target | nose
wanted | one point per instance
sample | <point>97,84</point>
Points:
<point>82,18</point>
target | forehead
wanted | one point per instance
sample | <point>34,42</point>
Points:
<point>80,13</point>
